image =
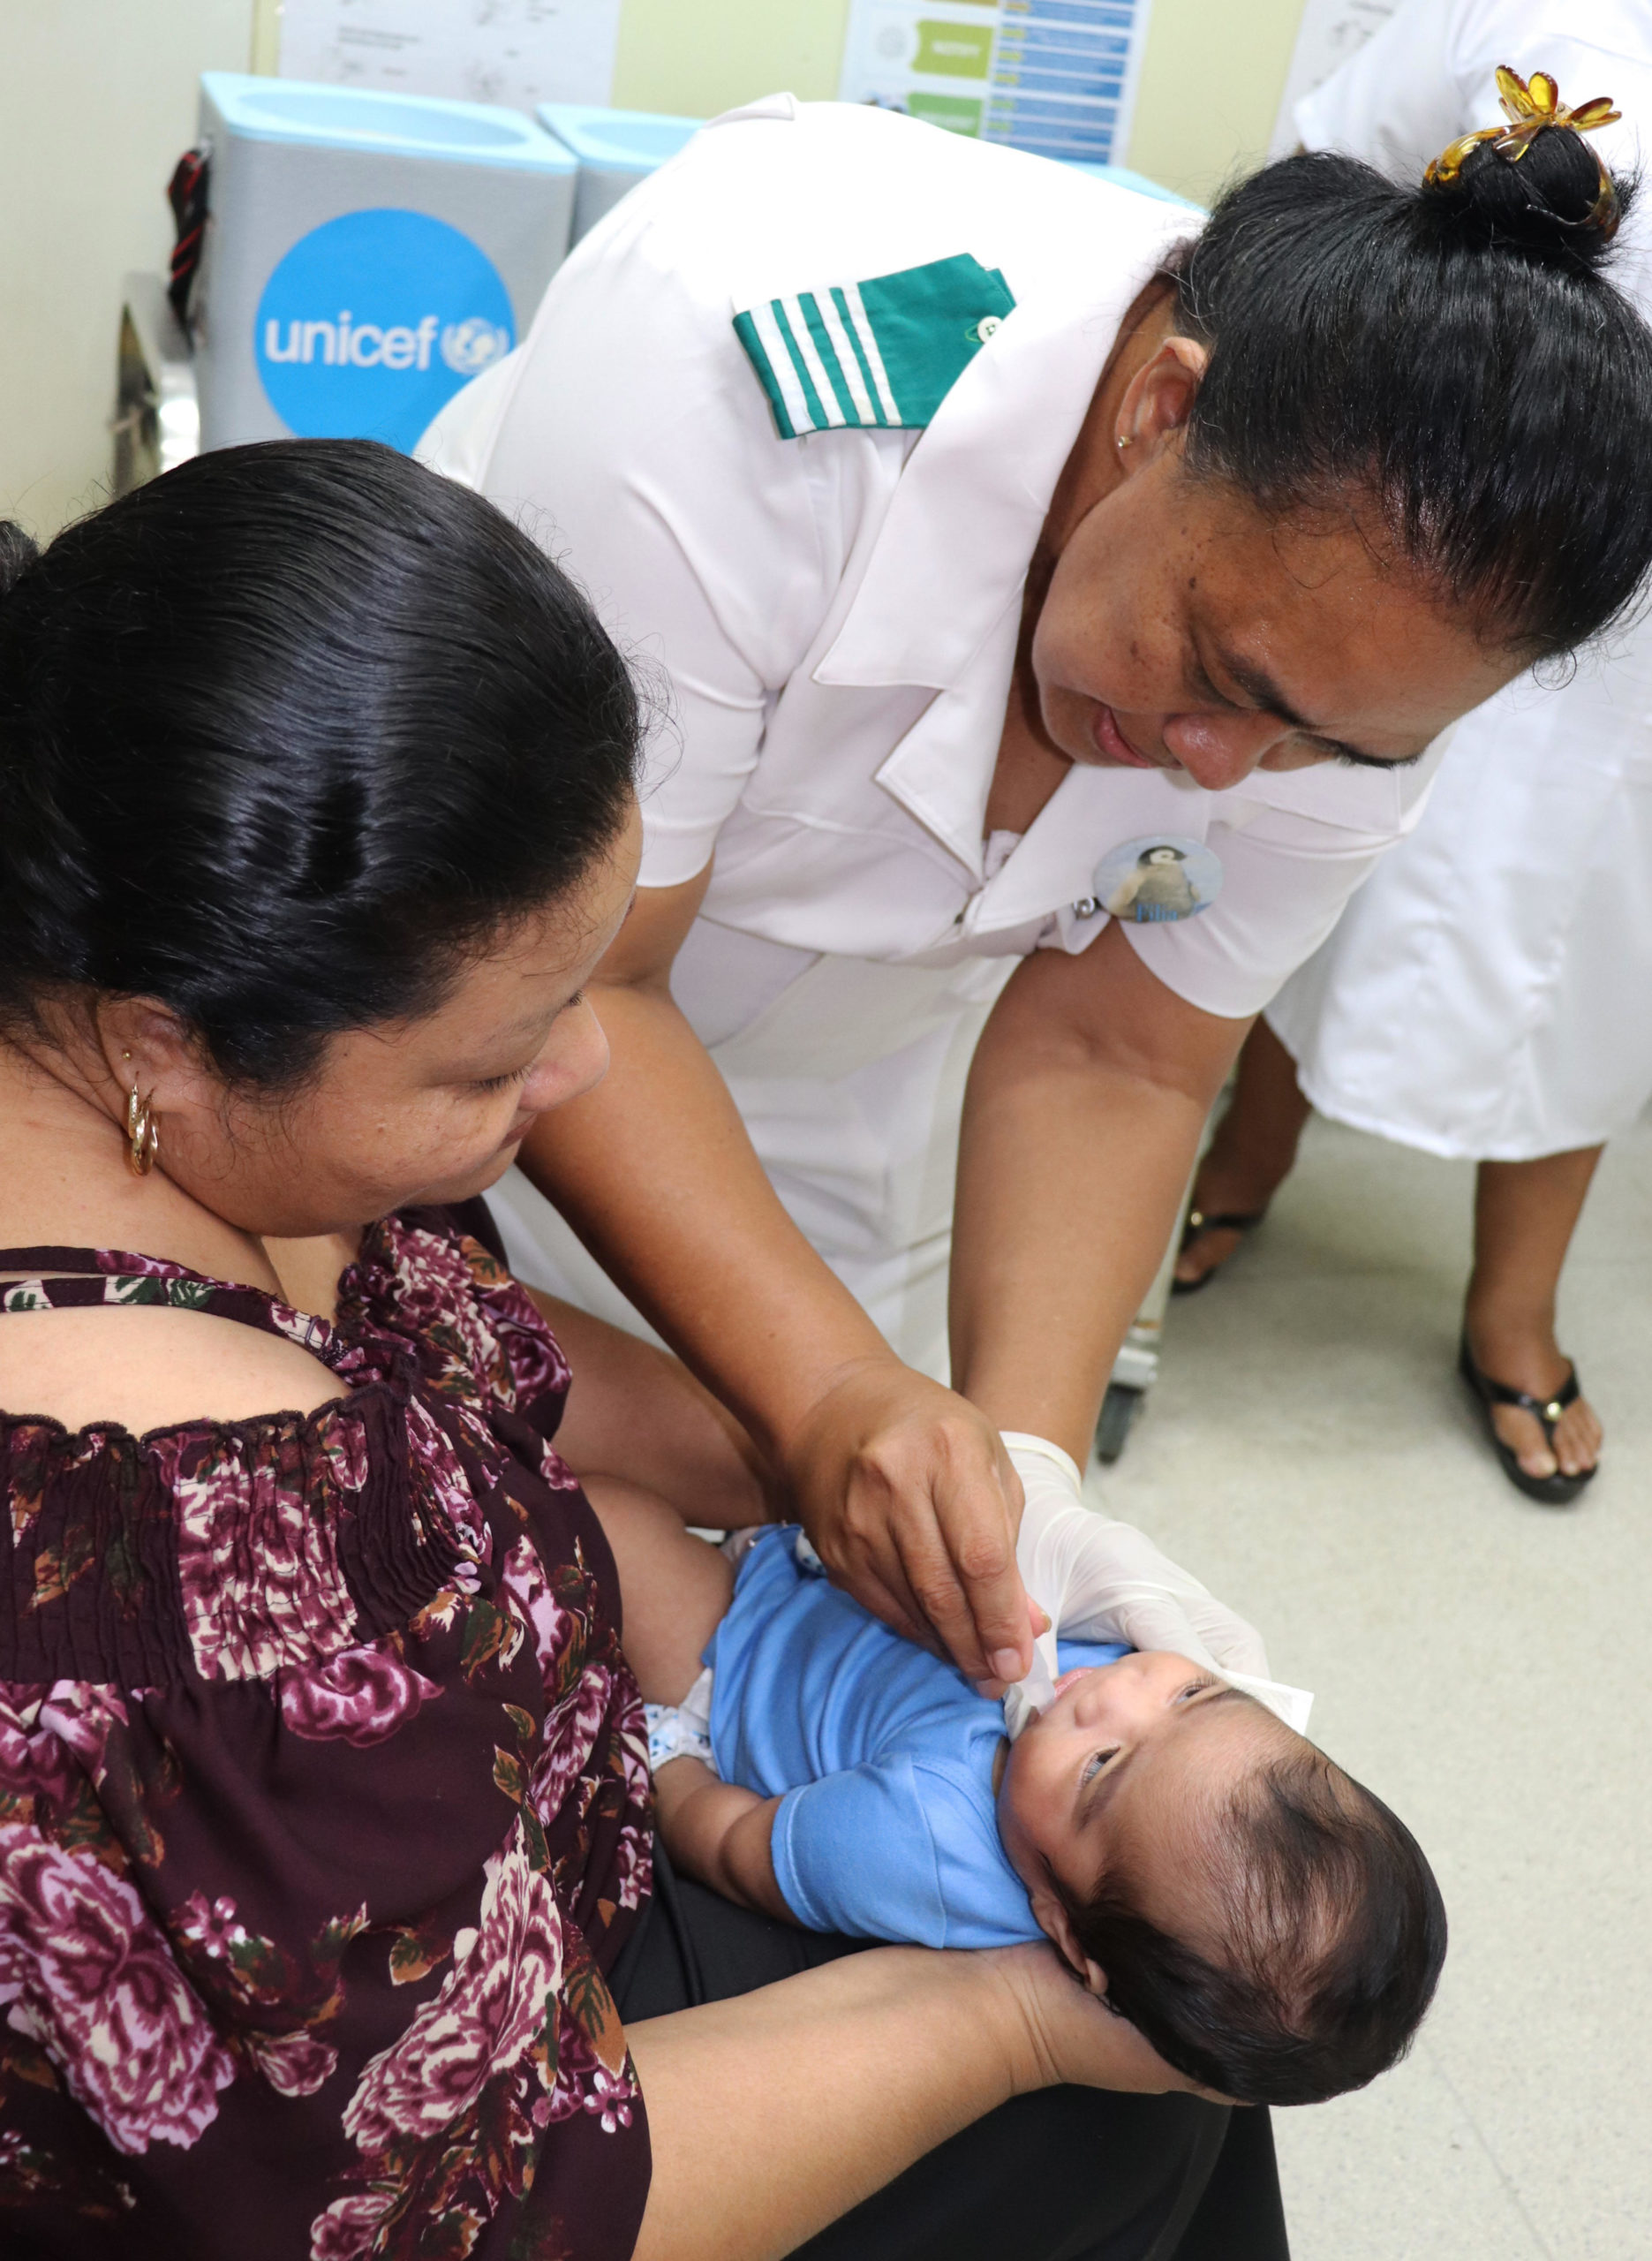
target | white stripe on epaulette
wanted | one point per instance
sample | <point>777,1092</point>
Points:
<point>826,392</point>
<point>868,347</point>
<point>781,362</point>
<point>848,361</point>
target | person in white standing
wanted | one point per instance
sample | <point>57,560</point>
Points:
<point>1485,997</point>
<point>990,525</point>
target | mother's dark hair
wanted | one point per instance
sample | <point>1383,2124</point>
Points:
<point>1456,349</point>
<point>283,736</point>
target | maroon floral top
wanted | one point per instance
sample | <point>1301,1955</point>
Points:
<point>324,1800</point>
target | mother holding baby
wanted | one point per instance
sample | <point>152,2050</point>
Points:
<point>328,1926</point>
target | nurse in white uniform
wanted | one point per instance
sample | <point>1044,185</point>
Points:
<point>977,557</point>
<point>1486,997</point>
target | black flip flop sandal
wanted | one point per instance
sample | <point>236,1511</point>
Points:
<point>1556,1491</point>
<point>1231,1222</point>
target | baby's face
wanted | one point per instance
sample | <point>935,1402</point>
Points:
<point>1134,1757</point>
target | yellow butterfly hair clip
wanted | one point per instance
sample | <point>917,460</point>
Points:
<point>1528,110</point>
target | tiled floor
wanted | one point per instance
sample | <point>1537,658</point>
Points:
<point>1485,1664</point>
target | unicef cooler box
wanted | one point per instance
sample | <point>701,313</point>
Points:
<point>615,149</point>
<point>366,254</point>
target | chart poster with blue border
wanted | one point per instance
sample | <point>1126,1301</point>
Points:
<point>1055,76</point>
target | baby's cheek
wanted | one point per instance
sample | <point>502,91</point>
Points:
<point>1029,1820</point>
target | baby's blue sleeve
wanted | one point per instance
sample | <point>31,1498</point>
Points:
<point>890,1850</point>
<point>852,1853</point>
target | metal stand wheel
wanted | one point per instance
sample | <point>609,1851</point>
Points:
<point>1119,1408</point>
<point>1135,1369</point>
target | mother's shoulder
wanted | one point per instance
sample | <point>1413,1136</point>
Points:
<point>152,1366</point>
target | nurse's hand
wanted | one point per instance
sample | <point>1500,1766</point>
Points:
<point>909,1499</point>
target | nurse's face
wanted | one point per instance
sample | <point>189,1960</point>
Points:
<point>431,1109</point>
<point>1183,629</point>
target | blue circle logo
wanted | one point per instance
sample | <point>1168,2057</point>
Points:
<point>372,322</point>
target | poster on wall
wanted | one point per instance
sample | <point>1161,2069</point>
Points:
<point>1056,75</point>
<point>516,53</point>
<point>1330,31</point>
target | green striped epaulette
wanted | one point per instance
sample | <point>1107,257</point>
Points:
<point>886,351</point>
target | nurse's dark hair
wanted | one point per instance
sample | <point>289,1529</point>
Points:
<point>1323,1939</point>
<point>1460,352</point>
<point>285,736</point>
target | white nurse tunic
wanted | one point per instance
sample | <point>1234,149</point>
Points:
<point>1487,993</point>
<point>834,618</point>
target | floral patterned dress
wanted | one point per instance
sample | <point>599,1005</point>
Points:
<point>324,1801</point>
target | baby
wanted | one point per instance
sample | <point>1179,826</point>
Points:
<point>1269,1925</point>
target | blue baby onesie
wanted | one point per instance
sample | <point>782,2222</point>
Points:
<point>888,1829</point>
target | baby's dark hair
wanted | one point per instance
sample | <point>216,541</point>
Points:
<point>1336,1933</point>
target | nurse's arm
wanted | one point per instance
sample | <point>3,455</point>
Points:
<point>905,1489</point>
<point>1086,1097</point>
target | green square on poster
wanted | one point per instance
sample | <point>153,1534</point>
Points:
<point>953,50</point>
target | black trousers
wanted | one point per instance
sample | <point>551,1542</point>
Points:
<point>1068,2175</point>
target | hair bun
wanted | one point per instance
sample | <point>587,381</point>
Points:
<point>1545,201</point>
<point>18,553</point>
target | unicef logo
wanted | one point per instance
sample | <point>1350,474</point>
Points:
<point>372,322</point>
<point>472,346</point>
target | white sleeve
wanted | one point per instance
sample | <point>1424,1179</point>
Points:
<point>634,443</point>
<point>1429,75</point>
<point>1293,847</point>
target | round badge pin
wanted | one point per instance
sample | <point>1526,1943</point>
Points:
<point>1157,878</point>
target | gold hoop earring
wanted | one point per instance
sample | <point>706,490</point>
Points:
<point>143,1133</point>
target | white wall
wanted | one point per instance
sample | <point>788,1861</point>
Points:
<point>97,101</point>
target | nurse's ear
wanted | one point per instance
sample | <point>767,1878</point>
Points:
<point>1158,401</point>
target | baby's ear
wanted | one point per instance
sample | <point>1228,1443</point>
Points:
<point>1057,1926</point>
